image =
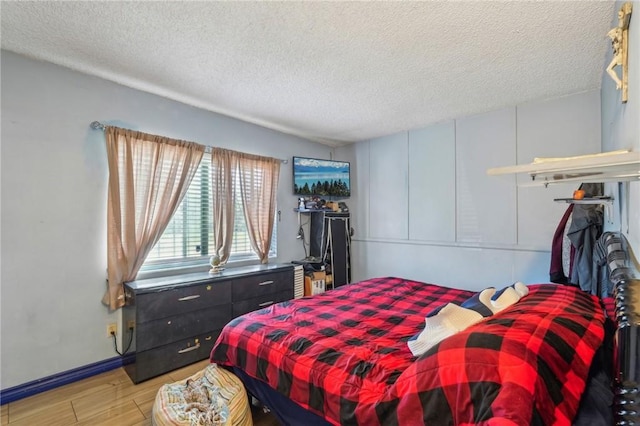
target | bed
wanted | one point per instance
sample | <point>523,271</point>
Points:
<point>342,357</point>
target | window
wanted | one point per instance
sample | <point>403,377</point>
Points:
<point>185,241</point>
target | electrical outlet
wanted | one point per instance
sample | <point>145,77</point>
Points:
<point>131,324</point>
<point>112,329</point>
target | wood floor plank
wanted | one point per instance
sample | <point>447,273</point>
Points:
<point>4,414</point>
<point>123,413</point>
<point>60,414</point>
<point>145,400</point>
<point>145,422</point>
<point>89,405</point>
<point>42,401</point>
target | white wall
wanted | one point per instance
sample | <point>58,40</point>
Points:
<point>54,180</point>
<point>495,232</point>
<point>621,130</point>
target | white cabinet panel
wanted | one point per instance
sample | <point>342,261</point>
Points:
<point>388,187</point>
<point>432,183</point>
<point>561,127</point>
<point>485,204</point>
<point>459,267</point>
<point>359,201</point>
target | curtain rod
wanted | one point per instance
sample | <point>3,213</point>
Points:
<point>96,125</point>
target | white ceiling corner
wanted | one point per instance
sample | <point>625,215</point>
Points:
<point>334,72</point>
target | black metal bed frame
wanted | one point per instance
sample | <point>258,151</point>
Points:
<point>623,273</point>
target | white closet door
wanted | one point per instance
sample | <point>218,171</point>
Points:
<point>432,183</point>
<point>485,208</point>
<point>359,200</point>
<point>388,192</point>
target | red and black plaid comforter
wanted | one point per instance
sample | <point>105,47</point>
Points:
<point>343,355</point>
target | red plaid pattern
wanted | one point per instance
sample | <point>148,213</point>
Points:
<point>343,355</point>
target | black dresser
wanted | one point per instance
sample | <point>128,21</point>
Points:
<point>177,319</point>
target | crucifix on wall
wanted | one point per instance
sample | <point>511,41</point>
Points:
<point>619,40</point>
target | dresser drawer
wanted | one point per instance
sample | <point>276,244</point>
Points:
<point>171,329</point>
<point>258,285</point>
<point>178,319</point>
<point>159,360</point>
<point>170,302</point>
<point>250,305</point>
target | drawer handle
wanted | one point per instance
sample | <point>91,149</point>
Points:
<point>192,348</point>
<point>262,305</point>
<point>208,338</point>
<point>184,299</point>
<point>266,282</point>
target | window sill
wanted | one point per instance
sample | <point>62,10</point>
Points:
<point>187,269</point>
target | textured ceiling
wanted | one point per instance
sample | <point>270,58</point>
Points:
<point>333,72</point>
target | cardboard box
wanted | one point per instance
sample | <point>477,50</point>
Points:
<point>314,283</point>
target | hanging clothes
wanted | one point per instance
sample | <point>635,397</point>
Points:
<point>558,272</point>
<point>586,227</point>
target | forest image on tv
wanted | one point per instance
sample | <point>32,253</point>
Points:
<point>320,177</point>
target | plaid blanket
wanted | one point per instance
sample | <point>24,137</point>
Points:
<point>343,355</point>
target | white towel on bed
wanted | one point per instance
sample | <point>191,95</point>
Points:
<point>447,322</point>
<point>452,318</point>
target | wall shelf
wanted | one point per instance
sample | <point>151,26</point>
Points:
<point>615,166</point>
<point>590,200</point>
<point>607,202</point>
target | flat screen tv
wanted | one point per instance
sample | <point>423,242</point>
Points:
<point>324,178</point>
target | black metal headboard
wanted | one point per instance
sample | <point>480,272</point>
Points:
<point>623,273</point>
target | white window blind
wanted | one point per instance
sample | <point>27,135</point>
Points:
<point>186,240</point>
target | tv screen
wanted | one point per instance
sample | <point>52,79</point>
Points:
<point>329,178</point>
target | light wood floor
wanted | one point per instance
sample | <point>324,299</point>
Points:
<point>109,398</point>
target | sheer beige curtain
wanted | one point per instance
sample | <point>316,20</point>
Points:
<point>258,188</point>
<point>148,177</point>
<point>223,165</point>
